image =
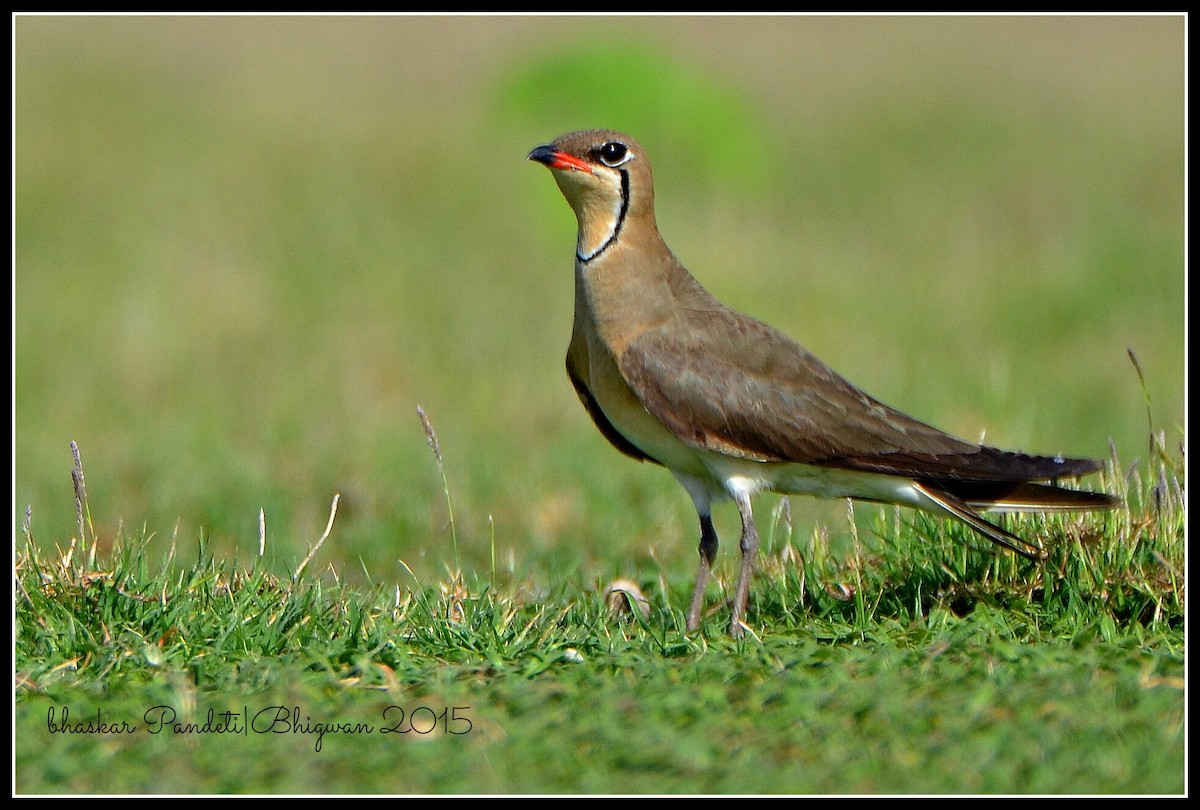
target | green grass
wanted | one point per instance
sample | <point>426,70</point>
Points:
<point>913,664</point>
<point>246,249</point>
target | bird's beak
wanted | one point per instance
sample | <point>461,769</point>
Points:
<point>549,156</point>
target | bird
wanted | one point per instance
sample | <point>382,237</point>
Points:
<point>734,407</point>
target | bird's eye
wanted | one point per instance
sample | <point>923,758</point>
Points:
<point>613,153</point>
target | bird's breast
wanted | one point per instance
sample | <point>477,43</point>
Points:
<point>627,414</point>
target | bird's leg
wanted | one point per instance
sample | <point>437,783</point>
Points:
<point>708,553</point>
<point>749,546</point>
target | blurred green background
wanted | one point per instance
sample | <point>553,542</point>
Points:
<point>247,249</point>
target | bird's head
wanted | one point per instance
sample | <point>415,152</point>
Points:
<point>606,178</point>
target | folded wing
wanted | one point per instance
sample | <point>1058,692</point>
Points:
<point>726,382</point>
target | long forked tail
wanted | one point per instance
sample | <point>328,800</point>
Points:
<point>955,507</point>
<point>961,500</point>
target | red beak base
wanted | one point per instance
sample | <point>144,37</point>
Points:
<point>553,158</point>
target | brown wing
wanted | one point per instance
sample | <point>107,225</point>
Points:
<point>723,381</point>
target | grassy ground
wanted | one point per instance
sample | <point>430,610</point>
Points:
<point>912,665</point>
<point>247,249</point>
